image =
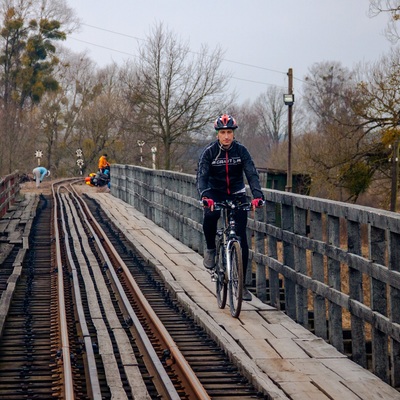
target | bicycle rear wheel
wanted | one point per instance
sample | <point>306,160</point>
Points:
<point>236,280</point>
<point>221,286</point>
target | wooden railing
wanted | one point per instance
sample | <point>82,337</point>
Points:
<point>9,190</point>
<point>337,261</point>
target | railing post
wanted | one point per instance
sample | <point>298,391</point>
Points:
<point>334,280</point>
<point>394,302</point>
<point>380,357</point>
<point>272,245</point>
<point>259,247</point>
<point>317,267</point>
<point>288,260</point>
<point>300,257</point>
<point>356,293</point>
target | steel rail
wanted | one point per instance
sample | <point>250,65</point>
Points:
<point>163,382</point>
<point>66,360</point>
<point>94,384</point>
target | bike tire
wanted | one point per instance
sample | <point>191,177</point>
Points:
<point>221,286</point>
<point>235,286</point>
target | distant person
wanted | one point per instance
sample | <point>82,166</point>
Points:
<point>39,173</point>
<point>103,163</point>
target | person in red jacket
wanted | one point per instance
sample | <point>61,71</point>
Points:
<point>220,176</point>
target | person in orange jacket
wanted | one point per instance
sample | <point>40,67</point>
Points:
<point>103,163</point>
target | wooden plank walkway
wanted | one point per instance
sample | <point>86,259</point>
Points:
<point>276,354</point>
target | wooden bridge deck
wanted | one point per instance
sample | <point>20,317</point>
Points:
<point>274,352</point>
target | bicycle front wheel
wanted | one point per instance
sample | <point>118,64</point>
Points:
<point>221,286</point>
<point>236,279</point>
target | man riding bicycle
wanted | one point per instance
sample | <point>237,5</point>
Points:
<point>220,176</point>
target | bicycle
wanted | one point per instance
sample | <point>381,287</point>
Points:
<point>228,274</point>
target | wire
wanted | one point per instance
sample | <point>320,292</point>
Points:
<point>102,47</point>
<point>255,66</point>
<point>115,33</point>
<point>262,83</point>
<point>137,38</point>
<point>133,55</point>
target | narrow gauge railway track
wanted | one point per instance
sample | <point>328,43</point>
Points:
<point>28,357</point>
<point>119,361</point>
<point>219,376</point>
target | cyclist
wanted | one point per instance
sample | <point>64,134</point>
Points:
<point>220,176</point>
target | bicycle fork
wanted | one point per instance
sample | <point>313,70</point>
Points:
<point>228,257</point>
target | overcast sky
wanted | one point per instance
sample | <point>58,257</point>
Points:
<point>269,36</point>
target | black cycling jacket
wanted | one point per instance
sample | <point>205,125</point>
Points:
<point>223,170</point>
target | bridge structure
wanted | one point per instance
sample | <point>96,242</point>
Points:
<point>336,262</point>
<point>324,323</point>
<point>9,190</point>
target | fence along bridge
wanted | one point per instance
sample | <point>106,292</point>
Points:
<point>338,261</point>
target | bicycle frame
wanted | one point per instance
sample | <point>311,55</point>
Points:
<point>229,233</point>
<point>229,249</point>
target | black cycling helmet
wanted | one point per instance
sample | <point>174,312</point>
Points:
<point>225,121</point>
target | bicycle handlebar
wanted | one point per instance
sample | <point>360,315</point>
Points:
<point>229,205</point>
<point>232,205</point>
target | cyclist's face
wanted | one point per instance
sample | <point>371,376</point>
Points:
<point>225,137</point>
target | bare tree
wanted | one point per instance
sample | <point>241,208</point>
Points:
<point>100,124</point>
<point>392,7</point>
<point>263,124</point>
<point>337,149</point>
<point>87,112</point>
<point>379,95</point>
<point>271,112</point>
<point>59,113</point>
<point>178,92</point>
<point>379,108</point>
<point>326,93</point>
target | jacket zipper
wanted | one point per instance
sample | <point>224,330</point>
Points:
<point>227,172</point>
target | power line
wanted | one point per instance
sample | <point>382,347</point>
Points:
<point>115,33</point>
<point>251,81</point>
<point>255,66</point>
<point>102,47</point>
<point>133,55</point>
<point>226,60</point>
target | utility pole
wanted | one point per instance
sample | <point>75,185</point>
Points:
<point>289,100</point>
